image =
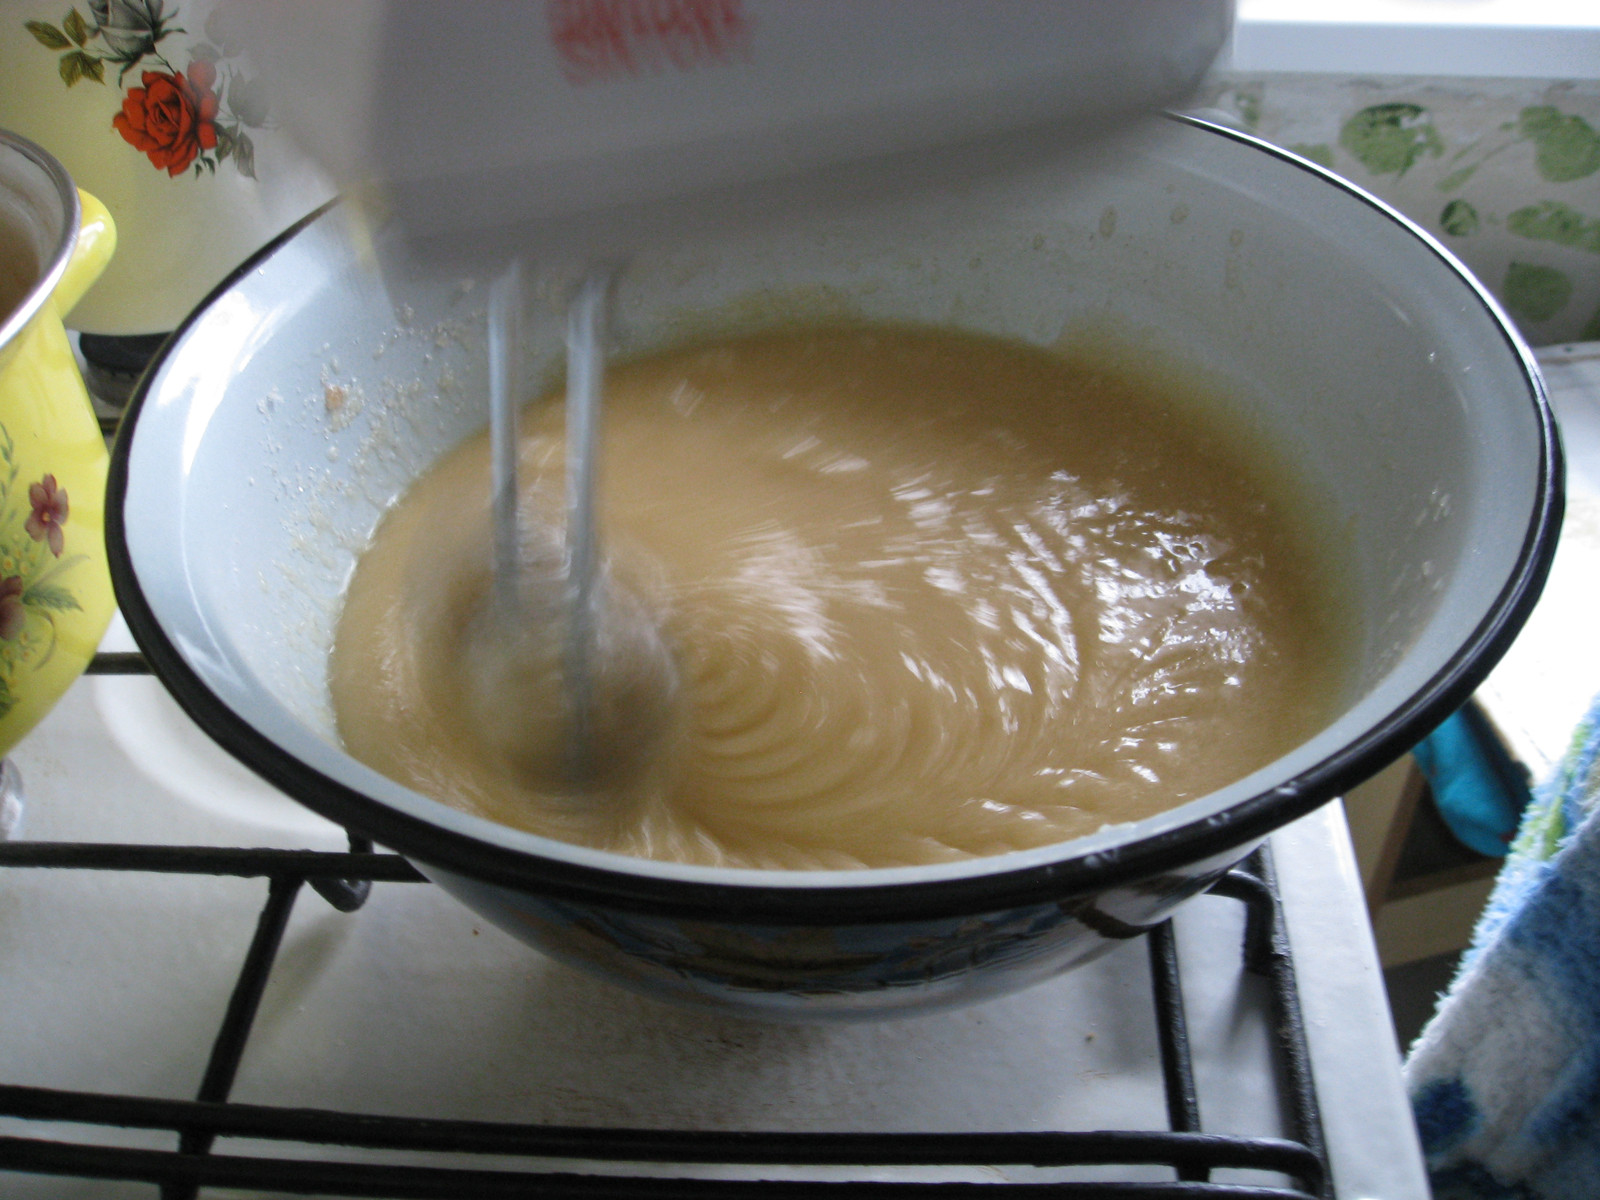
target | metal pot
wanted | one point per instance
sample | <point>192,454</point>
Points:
<point>55,595</point>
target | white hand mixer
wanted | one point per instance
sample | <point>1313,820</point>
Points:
<point>579,130</point>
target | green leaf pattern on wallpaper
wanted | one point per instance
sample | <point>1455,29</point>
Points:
<point>1388,139</point>
<point>1459,218</point>
<point>1506,173</point>
<point>1535,291</point>
<point>1568,147</point>
<point>1552,221</point>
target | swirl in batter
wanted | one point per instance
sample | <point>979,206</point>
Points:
<point>876,596</point>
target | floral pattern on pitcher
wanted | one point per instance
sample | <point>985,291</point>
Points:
<point>182,119</point>
<point>34,567</point>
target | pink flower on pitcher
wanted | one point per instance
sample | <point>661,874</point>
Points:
<point>49,504</point>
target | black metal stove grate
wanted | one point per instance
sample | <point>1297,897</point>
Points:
<point>344,880</point>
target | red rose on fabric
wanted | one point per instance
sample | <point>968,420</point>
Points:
<point>12,615</point>
<point>171,117</point>
<point>49,504</point>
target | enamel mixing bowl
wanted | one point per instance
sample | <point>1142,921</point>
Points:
<point>308,391</point>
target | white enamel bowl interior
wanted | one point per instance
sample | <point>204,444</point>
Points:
<point>308,393</point>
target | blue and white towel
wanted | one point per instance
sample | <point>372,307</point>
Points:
<point>1505,1080</point>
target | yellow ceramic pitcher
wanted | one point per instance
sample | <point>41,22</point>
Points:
<point>55,593</point>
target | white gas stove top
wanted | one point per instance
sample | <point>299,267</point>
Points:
<point>116,981</point>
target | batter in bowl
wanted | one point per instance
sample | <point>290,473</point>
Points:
<point>876,596</point>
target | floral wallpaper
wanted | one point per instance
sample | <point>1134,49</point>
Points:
<point>1505,172</point>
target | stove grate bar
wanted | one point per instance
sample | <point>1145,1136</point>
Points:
<point>1267,952</point>
<point>227,1051</point>
<point>404,1182</point>
<point>213,860</point>
<point>729,1147</point>
<point>1172,1032</point>
<point>118,662</point>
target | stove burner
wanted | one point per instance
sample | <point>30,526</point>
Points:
<point>316,1139</point>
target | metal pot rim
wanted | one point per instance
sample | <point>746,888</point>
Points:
<point>55,265</point>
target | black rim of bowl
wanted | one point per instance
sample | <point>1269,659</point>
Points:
<point>1174,851</point>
